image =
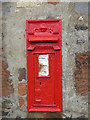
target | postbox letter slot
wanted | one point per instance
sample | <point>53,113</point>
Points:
<point>40,83</point>
<point>43,39</point>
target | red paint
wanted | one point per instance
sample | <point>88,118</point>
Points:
<point>38,39</point>
<point>44,92</point>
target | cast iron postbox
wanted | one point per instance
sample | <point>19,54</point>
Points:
<point>44,65</point>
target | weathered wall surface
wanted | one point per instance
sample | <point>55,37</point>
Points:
<point>74,57</point>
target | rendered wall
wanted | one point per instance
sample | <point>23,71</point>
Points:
<point>74,56</point>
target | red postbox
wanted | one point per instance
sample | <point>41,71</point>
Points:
<point>44,65</point>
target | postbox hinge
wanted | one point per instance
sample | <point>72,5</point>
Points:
<point>31,48</point>
<point>56,48</point>
<point>38,100</point>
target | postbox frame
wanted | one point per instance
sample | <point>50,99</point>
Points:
<point>30,69</point>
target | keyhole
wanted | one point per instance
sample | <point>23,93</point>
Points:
<point>40,83</point>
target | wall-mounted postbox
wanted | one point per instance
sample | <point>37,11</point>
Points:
<point>44,65</point>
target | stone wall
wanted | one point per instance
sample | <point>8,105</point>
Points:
<point>74,57</point>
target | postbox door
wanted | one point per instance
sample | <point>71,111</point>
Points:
<point>44,80</point>
<point>44,65</point>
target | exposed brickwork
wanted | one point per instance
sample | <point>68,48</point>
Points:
<point>81,73</point>
<point>22,74</point>
<point>22,89</point>
<point>53,2</point>
<point>7,86</point>
<point>21,102</point>
<point>89,71</point>
<point>0,73</point>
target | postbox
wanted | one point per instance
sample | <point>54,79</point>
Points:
<point>44,65</point>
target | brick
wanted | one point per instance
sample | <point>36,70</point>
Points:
<point>22,89</point>
<point>7,86</point>
<point>22,74</point>
<point>81,73</point>
<point>21,102</point>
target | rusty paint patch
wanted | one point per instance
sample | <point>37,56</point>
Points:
<point>53,2</point>
<point>22,74</point>
<point>81,73</point>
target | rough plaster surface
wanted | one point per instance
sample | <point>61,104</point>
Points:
<point>73,41</point>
